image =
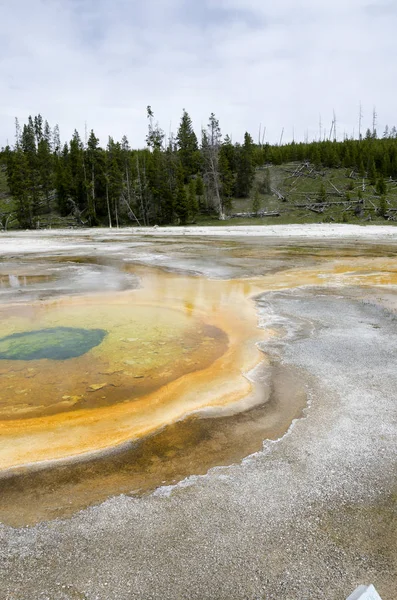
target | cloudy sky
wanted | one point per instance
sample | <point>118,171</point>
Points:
<point>280,63</point>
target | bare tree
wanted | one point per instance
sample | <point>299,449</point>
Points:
<point>281,137</point>
<point>334,126</point>
<point>211,144</point>
<point>374,119</point>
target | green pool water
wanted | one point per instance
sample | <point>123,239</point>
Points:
<point>55,343</point>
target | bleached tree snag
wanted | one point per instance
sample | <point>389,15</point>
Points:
<point>260,213</point>
<point>336,189</point>
<point>211,142</point>
<point>279,195</point>
<point>108,203</point>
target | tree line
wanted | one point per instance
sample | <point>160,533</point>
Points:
<point>163,183</point>
<point>169,181</point>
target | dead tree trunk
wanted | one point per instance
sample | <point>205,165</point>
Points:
<point>108,204</point>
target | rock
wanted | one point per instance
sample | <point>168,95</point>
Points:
<point>71,400</point>
<point>96,386</point>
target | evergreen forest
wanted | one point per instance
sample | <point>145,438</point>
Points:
<point>187,179</point>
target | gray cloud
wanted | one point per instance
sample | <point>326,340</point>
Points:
<point>249,61</point>
<point>380,9</point>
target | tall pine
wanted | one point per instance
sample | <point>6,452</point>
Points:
<point>245,168</point>
<point>187,146</point>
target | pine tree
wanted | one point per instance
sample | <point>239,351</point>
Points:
<point>316,157</point>
<point>155,136</point>
<point>113,179</point>
<point>78,177</point>
<point>63,182</point>
<point>47,134</point>
<point>129,197</point>
<point>332,158</point>
<point>187,146</point>
<point>169,183</point>
<point>56,141</point>
<point>45,168</point>
<point>141,185</point>
<point>91,174</point>
<point>361,169</point>
<point>372,173</point>
<point>181,200</point>
<point>393,162</point>
<point>192,199</point>
<point>226,182</point>
<point>230,152</point>
<point>38,128</point>
<point>347,160</point>
<point>28,143</point>
<point>155,196</point>
<point>245,168</point>
<point>256,202</point>
<point>382,208</point>
<point>386,165</point>
<point>156,179</point>
<point>200,190</point>
<point>381,187</point>
<point>16,178</point>
<point>266,184</point>
<point>322,194</point>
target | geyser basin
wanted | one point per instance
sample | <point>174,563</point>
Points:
<point>176,346</point>
<point>56,343</point>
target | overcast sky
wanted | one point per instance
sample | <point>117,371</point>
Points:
<point>282,63</point>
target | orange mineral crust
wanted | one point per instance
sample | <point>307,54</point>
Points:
<point>175,346</point>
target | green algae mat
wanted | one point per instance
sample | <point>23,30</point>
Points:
<point>56,343</point>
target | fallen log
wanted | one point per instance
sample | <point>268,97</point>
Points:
<point>260,213</point>
<point>336,189</point>
<point>315,210</point>
<point>278,194</point>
